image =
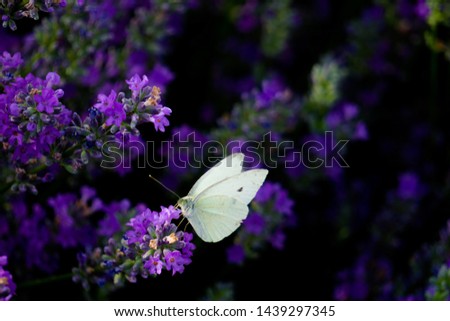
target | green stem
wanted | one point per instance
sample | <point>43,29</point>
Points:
<point>49,279</point>
<point>68,152</point>
<point>38,168</point>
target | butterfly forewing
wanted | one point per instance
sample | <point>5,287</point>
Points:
<point>227,167</point>
<point>215,217</point>
<point>242,186</point>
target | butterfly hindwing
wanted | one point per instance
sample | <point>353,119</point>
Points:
<point>215,217</point>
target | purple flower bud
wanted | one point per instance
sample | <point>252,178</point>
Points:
<point>14,109</point>
<point>31,127</point>
<point>52,79</point>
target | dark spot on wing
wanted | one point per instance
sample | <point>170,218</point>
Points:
<point>240,189</point>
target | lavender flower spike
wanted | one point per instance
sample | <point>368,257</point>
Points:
<point>7,285</point>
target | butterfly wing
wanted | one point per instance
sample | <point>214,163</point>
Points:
<point>227,167</point>
<point>215,217</point>
<point>242,186</point>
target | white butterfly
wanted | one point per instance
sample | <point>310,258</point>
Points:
<point>217,203</point>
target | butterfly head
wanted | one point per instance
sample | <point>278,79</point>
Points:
<point>186,204</point>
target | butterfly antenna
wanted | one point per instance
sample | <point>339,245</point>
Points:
<point>181,222</point>
<point>185,227</point>
<point>164,186</point>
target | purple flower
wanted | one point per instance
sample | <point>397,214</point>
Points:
<point>160,120</point>
<point>408,186</point>
<point>31,126</point>
<point>139,225</point>
<point>33,229</point>
<point>88,194</point>
<point>7,285</point>
<point>361,131</point>
<point>32,117</point>
<point>106,102</point>
<point>333,119</point>
<point>144,106</point>
<point>136,83</point>
<point>350,111</point>
<point>113,110</point>
<point>265,193</point>
<point>155,236</point>
<point>61,204</point>
<point>10,62</point>
<point>168,214</point>
<point>71,216</point>
<point>342,114</point>
<point>277,240</point>
<point>24,152</point>
<point>369,274</point>
<point>160,76</point>
<point>236,254</point>
<point>254,223</point>
<point>36,126</point>
<point>15,137</point>
<point>137,62</point>
<point>422,9</point>
<point>52,79</point>
<point>344,121</point>
<point>188,245</point>
<point>47,137</point>
<point>248,19</point>
<point>154,265</point>
<point>283,204</point>
<point>152,244</point>
<point>272,90</point>
<point>109,225</point>
<point>14,109</point>
<point>46,101</point>
<point>115,115</point>
<point>149,219</point>
<point>175,261</point>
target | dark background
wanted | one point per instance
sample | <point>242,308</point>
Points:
<point>306,269</point>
